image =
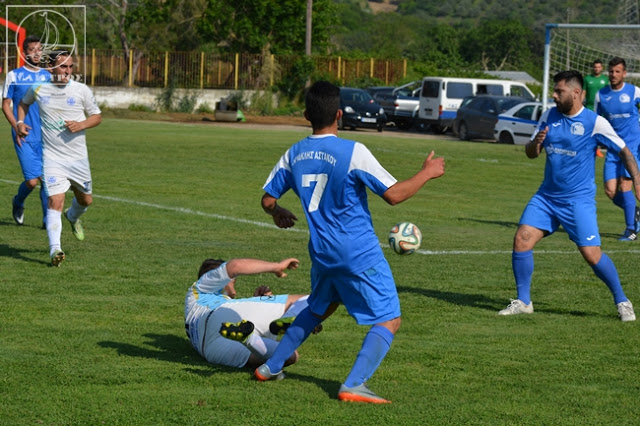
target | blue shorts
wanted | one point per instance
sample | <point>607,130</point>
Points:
<point>30,158</point>
<point>614,167</point>
<point>578,217</point>
<point>370,297</point>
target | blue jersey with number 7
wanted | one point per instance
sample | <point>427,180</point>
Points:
<point>331,175</point>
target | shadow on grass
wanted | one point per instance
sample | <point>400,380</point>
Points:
<point>171,348</point>
<point>491,222</point>
<point>461,299</point>
<point>16,253</point>
<point>168,347</point>
<point>490,304</point>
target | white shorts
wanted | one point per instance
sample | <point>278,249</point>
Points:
<point>223,351</point>
<point>58,177</point>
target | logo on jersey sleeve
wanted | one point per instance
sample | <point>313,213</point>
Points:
<point>577,129</point>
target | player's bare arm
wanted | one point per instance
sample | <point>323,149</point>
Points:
<point>282,217</point>
<point>22,128</point>
<point>237,267</point>
<point>632,167</point>
<point>534,147</point>
<point>8,113</point>
<point>432,168</point>
<point>77,126</point>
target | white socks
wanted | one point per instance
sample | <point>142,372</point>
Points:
<point>76,210</point>
<point>54,229</point>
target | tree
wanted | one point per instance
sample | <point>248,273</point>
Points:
<point>250,25</point>
<point>147,25</point>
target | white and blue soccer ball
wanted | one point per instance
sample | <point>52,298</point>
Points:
<point>405,238</point>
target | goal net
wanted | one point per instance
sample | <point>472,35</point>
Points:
<point>576,46</point>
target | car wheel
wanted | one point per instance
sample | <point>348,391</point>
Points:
<point>506,138</point>
<point>441,130</point>
<point>380,127</point>
<point>463,132</point>
<point>404,125</point>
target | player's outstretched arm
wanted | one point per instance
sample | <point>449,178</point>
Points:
<point>282,217</point>
<point>432,168</point>
<point>237,267</point>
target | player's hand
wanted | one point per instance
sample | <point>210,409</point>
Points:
<point>263,290</point>
<point>283,218</point>
<point>285,264</point>
<point>435,166</point>
<point>22,130</point>
<point>73,126</point>
<point>541,135</point>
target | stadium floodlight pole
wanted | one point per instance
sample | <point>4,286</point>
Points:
<point>547,49</point>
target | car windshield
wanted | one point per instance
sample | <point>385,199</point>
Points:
<point>508,103</point>
<point>356,96</point>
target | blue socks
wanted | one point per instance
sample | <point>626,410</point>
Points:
<point>627,202</point>
<point>44,200</point>
<point>297,333</point>
<point>522,264</point>
<point>23,193</point>
<point>607,272</point>
<point>375,346</point>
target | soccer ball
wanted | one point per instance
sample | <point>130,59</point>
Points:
<point>405,238</point>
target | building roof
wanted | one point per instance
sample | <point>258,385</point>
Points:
<point>519,76</point>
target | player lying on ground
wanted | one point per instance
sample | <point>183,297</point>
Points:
<point>211,307</point>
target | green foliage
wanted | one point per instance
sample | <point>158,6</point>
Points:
<point>166,101</point>
<point>294,79</point>
<point>251,25</point>
<point>204,107</point>
<point>187,103</point>
<point>139,107</point>
<point>101,339</point>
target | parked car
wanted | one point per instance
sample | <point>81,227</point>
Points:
<point>360,110</point>
<point>517,124</point>
<point>477,116</point>
<point>399,103</point>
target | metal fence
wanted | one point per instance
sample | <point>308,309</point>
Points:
<point>200,70</point>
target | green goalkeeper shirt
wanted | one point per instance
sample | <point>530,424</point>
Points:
<point>591,86</point>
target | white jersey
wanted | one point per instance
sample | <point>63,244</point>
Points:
<point>72,102</point>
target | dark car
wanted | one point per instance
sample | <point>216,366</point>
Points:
<point>478,115</point>
<point>360,110</point>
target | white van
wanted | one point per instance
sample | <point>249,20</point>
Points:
<point>441,97</point>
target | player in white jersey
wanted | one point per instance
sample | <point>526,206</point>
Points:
<point>67,109</point>
<point>29,149</point>
<point>216,322</point>
<point>331,175</point>
<point>618,103</point>
<point>570,134</point>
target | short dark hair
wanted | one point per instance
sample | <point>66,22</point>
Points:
<point>208,265</point>
<point>27,41</point>
<point>617,61</point>
<point>597,61</point>
<point>569,76</point>
<point>322,103</point>
<point>53,56</point>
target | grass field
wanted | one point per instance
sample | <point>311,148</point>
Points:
<point>101,340</point>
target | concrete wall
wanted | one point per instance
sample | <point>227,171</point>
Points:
<point>122,97</point>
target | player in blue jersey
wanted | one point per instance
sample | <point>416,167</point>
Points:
<point>29,150</point>
<point>570,134</point>
<point>618,103</point>
<point>331,175</point>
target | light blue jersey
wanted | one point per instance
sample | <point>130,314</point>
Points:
<point>16,85</point>
<point>570,146</point>
<point>330,175</point>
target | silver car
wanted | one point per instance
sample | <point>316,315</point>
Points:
<point>517,125</point>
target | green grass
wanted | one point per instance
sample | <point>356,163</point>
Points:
<point>101,339</point>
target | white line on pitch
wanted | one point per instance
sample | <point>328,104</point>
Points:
<point>272,226</point>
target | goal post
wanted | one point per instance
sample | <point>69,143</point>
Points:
<point>576,46</point>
